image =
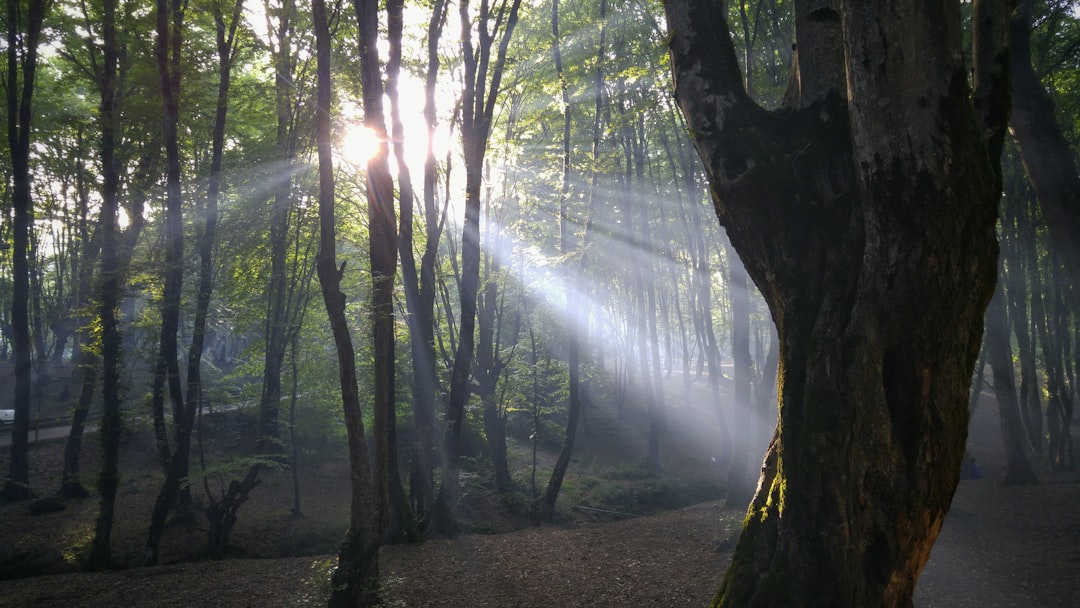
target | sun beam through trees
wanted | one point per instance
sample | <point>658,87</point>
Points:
<point>490,264</point>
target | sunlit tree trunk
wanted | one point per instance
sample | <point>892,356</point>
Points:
<point>639,326</point>
<point>864,211</point>
<point>576,328</point>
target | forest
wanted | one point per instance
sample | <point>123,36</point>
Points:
<point>298,279</point>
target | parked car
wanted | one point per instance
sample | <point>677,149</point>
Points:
<point>6,417</point>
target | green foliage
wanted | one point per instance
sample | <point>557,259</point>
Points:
<point>77,547</point>
<point>317,589</point>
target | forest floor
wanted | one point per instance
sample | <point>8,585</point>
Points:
<point>668,546</point>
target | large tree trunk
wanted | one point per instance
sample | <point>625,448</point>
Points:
<point>355,581</point>
<point>864,211</point>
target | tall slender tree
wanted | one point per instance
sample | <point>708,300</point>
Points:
<point>109,290</point>
<point>419,286</point>
<point>382,250</point>
<point>355,580</point>
<point>481,89</point>
<point>1017,468</point>
<point>576,326</point>
<point>24,24</point>
<point>167,53</point>
<point>1048,159</point>
<point>283,45</point>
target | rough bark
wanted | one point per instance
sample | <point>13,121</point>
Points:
<point>864,211</point>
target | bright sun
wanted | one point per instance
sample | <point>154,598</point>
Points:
<point>358,144</point>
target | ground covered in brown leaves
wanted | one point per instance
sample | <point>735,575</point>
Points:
<point>1000,546</point>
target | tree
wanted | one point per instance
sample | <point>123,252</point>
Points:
<point>356,578</point>
<point>23,37</point>
<point>221,512</point>
<point>420,287</point>
<point>481,89</point>
<point>168,42</point>
<point>1017,469</point>
<point>573,356</point>
<point>284,55</point>
<point>864,211</point>
<point>1047,158</point>
<point>390,499</point>
<point>109,285</point>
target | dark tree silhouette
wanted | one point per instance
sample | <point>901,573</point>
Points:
<point>864,210</point>
<point>356,578</point>
<point>23,36</point>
